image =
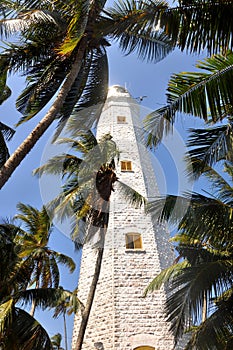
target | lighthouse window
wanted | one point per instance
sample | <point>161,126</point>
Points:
<point>133,241</point>
<point>121,119</point>
<point>126,166</point>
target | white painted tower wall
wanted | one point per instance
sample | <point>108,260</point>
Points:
<point>121,317</point>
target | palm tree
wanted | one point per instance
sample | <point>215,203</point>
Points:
<point>56,341</point>
<point>199,284</point>
<point>205,275</point>
<point>69,304</point>
<point>63,52</point>
<point>88,183</point>
<point>42,261</point>
<point>19,330</point>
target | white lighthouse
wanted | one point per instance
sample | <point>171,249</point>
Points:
<point>136,249</point>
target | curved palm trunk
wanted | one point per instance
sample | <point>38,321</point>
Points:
<point>91,294</point>
<point>26,146</point>
<point>104,185</point>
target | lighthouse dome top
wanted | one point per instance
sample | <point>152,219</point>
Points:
<point>117,91</point>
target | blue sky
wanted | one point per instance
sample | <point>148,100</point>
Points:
<point>140,78</point>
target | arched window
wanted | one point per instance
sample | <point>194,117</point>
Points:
<point>145,348</point>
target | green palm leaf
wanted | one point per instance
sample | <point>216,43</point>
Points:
<point>222,189</point>
<point>76,26</point>
<point>131,196</point>
<point>136,31</point>
<point>45,297</point>
<point>6,133</point>
<point>214,144</point>
<point>196,93</point>
<point>25,21</point>
<point>170,208</point>
<point>6,314</point>
<point>86,98</point>
<point>197,24</point>
<point>218,326</point>
<point>29,333</point>
<point>166,276</point>
<point>43,85</point>
<point>204,94</point>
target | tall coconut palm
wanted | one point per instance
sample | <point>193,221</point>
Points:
<point>89,182</point>
<point>200,285</point>
<point>19,330</point>
<point>56,341</point>
<point>63,52</point>
<point>69,304</point>
<point>204,241</point>
<point>35,252</point>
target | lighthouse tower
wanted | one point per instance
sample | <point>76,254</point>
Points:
<point>136,249</point>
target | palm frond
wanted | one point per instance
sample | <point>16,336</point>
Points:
<point>68,303</point>
<point>208,146</point>
<point>6,133</point>
<point>185,299</point>
<point>206,95</point>
<point>6,314</point>
<point>29,333</point>
<point>25,21</point>
<point>170,208</point>
<point>200,216</point>
<point>43,85</point>
<point>208,219</point>
<point>4,153</point>
<point>136,29</point>
<point>59,165</point>
<point>66,261</point>
<point>88,108</point>
<point>76,27</point>
<point>5,91</point>
<point>196,24</point>
<point>218,326</point>
<point>63,205</point>
<point>74,94</point>
<point>45,297</point>
<point>31,218</point>
<point>165,276</point>
<point>156,125</point>
<point>132,196</point>
<point>222,189</point>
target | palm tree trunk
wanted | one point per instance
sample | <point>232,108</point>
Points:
<point>26,146</point>
<point>65,331</point>
<point>91,294</point>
